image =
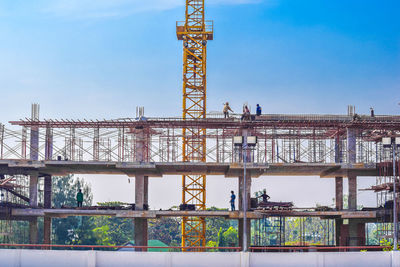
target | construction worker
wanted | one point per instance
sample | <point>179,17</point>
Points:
<point>246,113</point>
<point>232,201</point>
<point>264,196</point>
<point>258,110</point>
<point>226,110</point>
<point>372,112</point>
<point>79,198</point>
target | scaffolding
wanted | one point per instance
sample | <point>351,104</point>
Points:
<point>292,231</point>
<point>13,194</point>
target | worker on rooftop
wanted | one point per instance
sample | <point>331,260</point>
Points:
<point>264,196</point>
<point>246,113</point>
<point>232,201</point>
<point>226,110</point>
<point>258,110</point>
<point>79,198</point>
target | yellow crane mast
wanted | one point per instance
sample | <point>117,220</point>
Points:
<point>194,32</point>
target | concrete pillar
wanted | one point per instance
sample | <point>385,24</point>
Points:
<point>33,178</point>
<point>240,207</point>
<point>47,192</point>
<point>339,193</point>
<point>47,205</point>
<point>33,231</point>
<point>351,146</point>
<point>49,144</point>
<point>47,230</point>
<point>338,232</point>
<point>141,199</point>
<point>34,144</point>
<point>339,206</point>
<point>33,202</point>
<point>241,190</point>
<point>356,233</point>
<point>33,189</point>
<point>352,200</point>
<point>353,232</point>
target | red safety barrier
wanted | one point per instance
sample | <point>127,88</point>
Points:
<point>93,247</point>
<point>251,249</point>
<point>318,248</point>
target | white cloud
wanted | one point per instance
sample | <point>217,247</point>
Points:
<point>120,8</point>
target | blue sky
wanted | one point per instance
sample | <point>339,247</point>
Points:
<point>102,58</point>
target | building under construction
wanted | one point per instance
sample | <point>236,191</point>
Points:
<point>198,146</point>
<point>339,147</point>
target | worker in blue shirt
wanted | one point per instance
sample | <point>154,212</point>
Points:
<point>232,201</point>
<point>258,110</point>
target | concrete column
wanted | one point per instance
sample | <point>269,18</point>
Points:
<point>338,232</point>
<point>339,206</point>
<point>33,189</point>
<point>352,200</point>
<point>351,159</point>
<point>47,192</point>
<point>33,231</point>
<point>339,193</point>
<point>356,236</point>
<point>33,202</point>
<point>356,233</point>
<point>241,190</point>
<point>34,144</point>
<point>47,230</point>
<point>47,205</point>
<point>351,146</point>
<point>33,178</point>
<point>49,144</point>
<point>240,207</point>
<point>141,199</point>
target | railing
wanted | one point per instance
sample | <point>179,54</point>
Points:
<point>212,249</point>
<point>318,248</point>
<point>101,247</point>
<point>208,24</point>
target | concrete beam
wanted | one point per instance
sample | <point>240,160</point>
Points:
<point>153,214</point>
<point>158,169</point>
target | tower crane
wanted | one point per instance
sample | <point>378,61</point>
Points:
<point>195,31</point>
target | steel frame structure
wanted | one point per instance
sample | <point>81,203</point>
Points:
<point>194,33</point>
<point>281,139</point>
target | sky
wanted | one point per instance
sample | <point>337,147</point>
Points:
<point>98,59</point>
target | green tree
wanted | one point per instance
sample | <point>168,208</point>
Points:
<point>214,224</point>
<point>167,230</point>
<point>230,237</point>
<point>71,230</point>
<point>112,230</point>
<point>221,242</point>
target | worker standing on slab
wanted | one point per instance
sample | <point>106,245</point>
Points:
<point>232,201</point>
<point>264,196</point>
<point>79,198</point>
<point>258,110</point>
<point>226,110</point>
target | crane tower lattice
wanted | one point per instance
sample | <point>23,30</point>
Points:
<point>194,32</point>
